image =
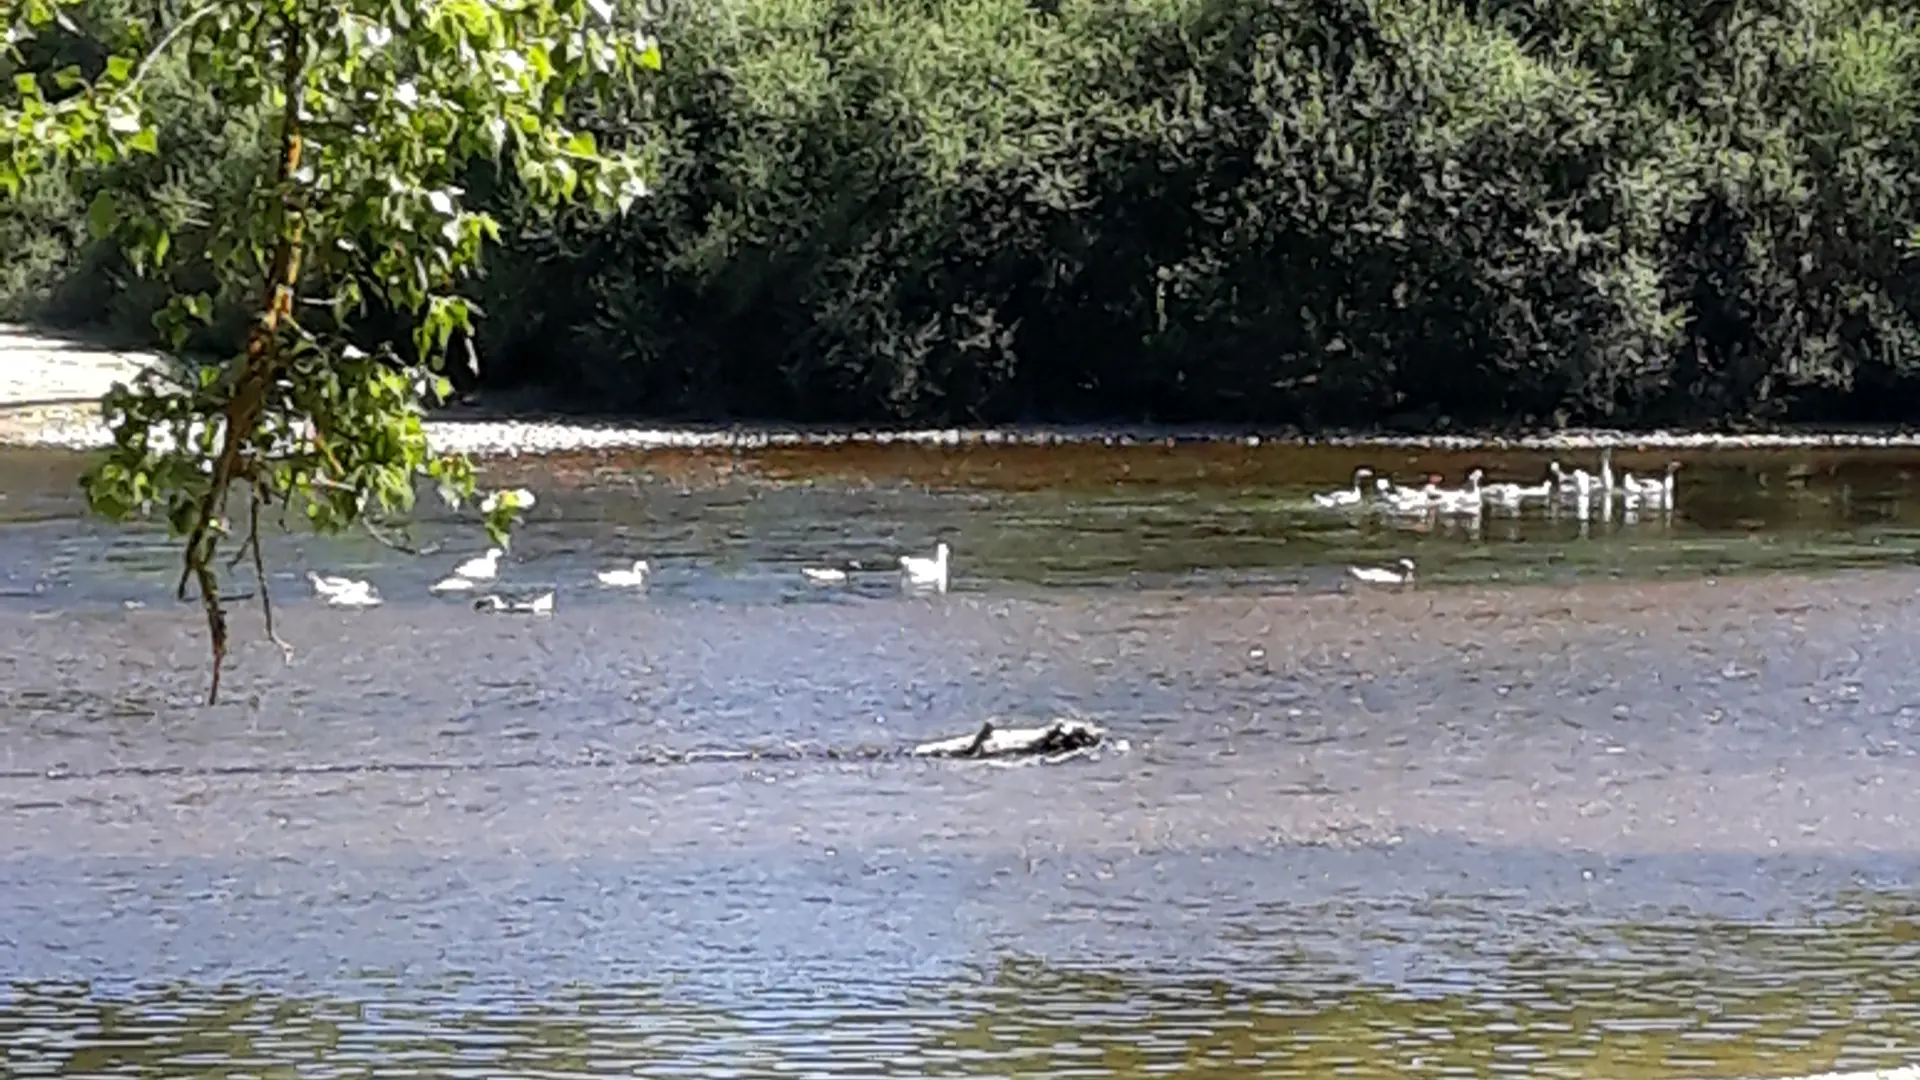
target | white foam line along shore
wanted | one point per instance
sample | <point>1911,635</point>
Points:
<point>50,386</point>
<point>1903,1073</point>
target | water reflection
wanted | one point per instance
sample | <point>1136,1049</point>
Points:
<point>1718,1000</point>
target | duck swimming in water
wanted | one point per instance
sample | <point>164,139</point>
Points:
<point>1351,496</point>
<point>1651,492</point>
<point>919,570</point>
<point>631,577</point>
<point>1400,574</point>
<point>469,574</point>
<point>343,591</point>
<point>1512,495</point>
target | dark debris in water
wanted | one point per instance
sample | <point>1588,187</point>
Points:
<point>1054,742</point>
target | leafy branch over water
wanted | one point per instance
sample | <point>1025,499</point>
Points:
<point>375,111</point>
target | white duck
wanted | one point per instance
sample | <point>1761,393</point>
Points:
<point>1400,574</point>
<point>470,573</point>
<point>1408,500</point>
<point>481,567</point>
<point>632,577</point>
<point>344,591</point>
<point>1352,496</point>
<point>1652,492</point>
<point>1580,481</point>
<point>918,570</point>
<point>823,575</point>
<point>538,605</point>
<point>1466,500</point>
<point>1512,494</point>
<point>325,585</point>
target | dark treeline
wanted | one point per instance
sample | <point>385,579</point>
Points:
<point>1327,212</point>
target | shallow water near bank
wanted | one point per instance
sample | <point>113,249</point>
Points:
<point>735,527</point>
<point>1604,798</point>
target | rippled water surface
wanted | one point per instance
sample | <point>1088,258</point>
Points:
<point>1633,796</point>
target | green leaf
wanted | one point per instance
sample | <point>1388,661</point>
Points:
<point>103,215</point>
<point>145,141</point>
<point>119,68</point>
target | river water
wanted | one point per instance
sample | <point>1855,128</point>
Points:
<point>1602,798</point>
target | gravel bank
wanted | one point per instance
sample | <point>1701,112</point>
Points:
<point>49,387</point>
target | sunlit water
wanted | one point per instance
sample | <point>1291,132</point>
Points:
<point>1608,798</point>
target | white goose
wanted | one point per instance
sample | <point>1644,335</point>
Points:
<point>470,573</point>
<point>1400,574</point>
<point>918,570</point>
<point>481,567</point>
<point>1352,496</point>
<point>344,591</point>
<point>1667,484</point>
<point>823,575</point>
<point>632,577</point>
<point>1512,494</point>
<point>1411,500</point>
<point>329,585</point>
<point>1652,492</point>
<point>1466,500</point>
<point>1581,482</point>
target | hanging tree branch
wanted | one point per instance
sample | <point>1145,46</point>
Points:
<point>377,107</point>
<point>258,370</point>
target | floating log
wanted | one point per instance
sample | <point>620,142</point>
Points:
<point>1059,737</point>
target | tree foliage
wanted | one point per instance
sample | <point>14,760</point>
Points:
<point>1310,211</point>
<point>1313,211</point>
<point>358,122</point>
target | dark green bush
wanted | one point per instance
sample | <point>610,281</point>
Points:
<point>1317,211</point>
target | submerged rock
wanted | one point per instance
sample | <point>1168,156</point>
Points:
<point>1059,737</point>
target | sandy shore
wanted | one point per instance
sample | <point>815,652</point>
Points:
<point>50,387</point>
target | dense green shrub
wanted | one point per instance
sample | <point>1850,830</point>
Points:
<point>210,152</point>
<point>1323,211</point>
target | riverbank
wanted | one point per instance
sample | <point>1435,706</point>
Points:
<point>50,387</point>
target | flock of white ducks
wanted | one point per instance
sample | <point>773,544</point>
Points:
<point>1579,489</point>
<point>916,572</point>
